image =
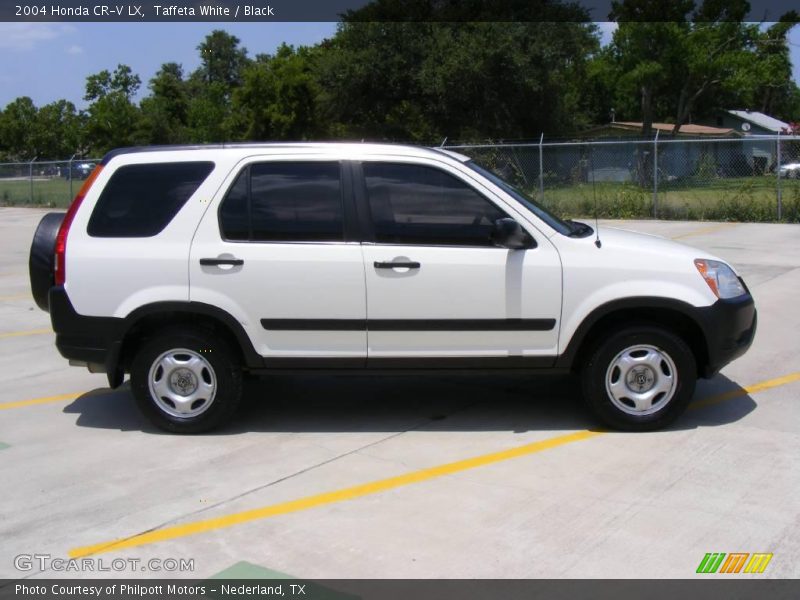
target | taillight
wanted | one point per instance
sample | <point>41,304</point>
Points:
<point>61,237</point>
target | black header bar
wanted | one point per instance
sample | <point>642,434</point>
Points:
<point>337,10</point>
<point>703,587</point>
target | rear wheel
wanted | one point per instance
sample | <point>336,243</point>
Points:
<point>639,379</point>
<point>186,381</point>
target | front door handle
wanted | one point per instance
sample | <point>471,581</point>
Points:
<point>216,262</point>
<point>397,265</point>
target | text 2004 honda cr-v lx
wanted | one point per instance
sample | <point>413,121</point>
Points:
<point>185,266</point>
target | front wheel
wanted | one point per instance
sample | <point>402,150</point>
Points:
<point>186,381</point>
<point>639,379</point>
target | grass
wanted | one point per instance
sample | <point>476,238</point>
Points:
<point>54,192</point>
<point>732,199</point>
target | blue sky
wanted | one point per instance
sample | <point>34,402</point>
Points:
<point>49,61</point>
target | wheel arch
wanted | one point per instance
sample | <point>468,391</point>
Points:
<point>141,323</point>
<point>674,315</point>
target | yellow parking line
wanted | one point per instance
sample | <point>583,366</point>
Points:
<point>704,230</point>
<point>11,334</point>
<point>22,403</point>
<point>750,389</point>
<point>374,487</point>
<point>350,493</point>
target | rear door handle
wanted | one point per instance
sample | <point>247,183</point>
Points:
<point>215,262</point>
<point>396,265</point>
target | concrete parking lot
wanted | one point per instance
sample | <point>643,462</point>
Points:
<point>440,476</point>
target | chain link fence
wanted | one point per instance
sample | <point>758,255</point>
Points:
<point>753,178</point>
<point>43,183</point>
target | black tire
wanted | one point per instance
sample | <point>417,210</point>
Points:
<point>224,371</point>
<point>41,261</point>
<point>637,342</point>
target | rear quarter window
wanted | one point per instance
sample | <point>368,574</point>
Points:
<point>141,200</point>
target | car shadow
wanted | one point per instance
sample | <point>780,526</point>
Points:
<point>299,403</point>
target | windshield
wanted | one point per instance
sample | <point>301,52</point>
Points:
<point>541,212</point>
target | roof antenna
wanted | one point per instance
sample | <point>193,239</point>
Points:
<point>597,241</point>
<point>444,141</point>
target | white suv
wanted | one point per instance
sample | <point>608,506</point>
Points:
<point>185,266</point>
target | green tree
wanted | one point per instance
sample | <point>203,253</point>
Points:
<point>425,81</point>
<point>765,81</point>
<point>702,59</point>
<point>122,81</point>
<point>165,111</point>
<point>277,97</point>
<point>645,51</point>
<point>368,79</point>
<point>222,60</point>
<point>209,113</point>
<point>113,120</point>
<point>211,86</point>
<point>57,131</point>
<point>16,123</point>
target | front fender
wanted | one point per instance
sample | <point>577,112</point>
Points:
<point>574,342</point>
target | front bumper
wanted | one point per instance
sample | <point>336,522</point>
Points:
<point>729,326</point>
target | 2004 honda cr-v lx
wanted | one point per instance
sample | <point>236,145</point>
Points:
<point>185,266</point>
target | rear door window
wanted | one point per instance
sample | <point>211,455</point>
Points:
<point>285,202</point>
<point>141,200</point>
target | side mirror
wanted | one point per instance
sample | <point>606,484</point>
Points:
<point>507,233</point>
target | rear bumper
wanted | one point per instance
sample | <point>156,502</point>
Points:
<point>729,327</point>
<point>92,340</point>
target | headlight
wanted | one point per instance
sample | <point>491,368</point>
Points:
<point>720,278</point>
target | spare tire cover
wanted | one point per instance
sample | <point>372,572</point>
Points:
<point>41,263</point>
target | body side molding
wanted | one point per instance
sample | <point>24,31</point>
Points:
<point>408,324</point>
